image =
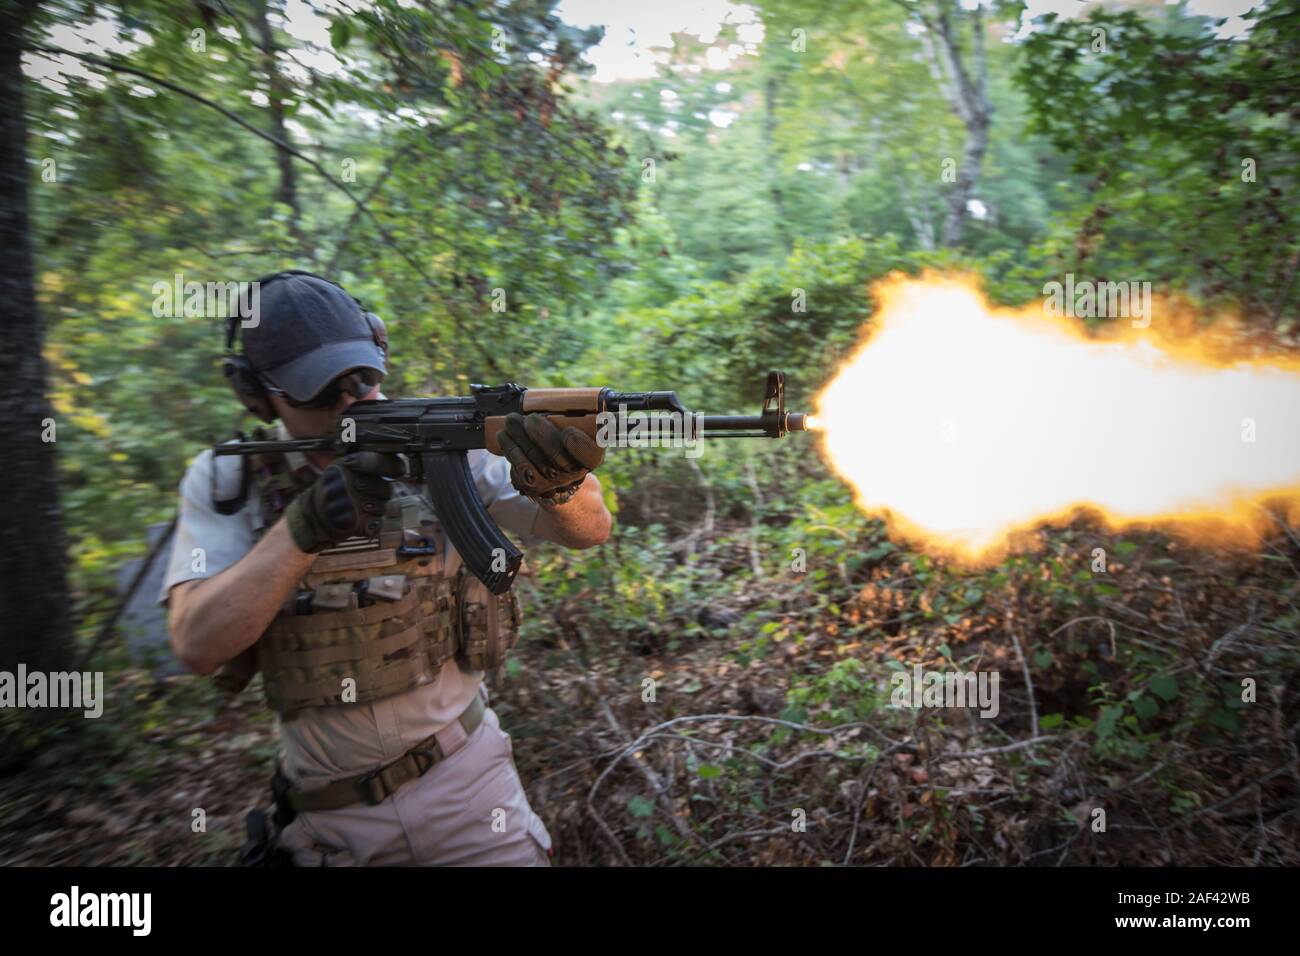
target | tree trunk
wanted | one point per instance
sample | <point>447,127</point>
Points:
<point>966,88</point>
<point>34,602</point>
<point>975,111</point>
<point>968,170</point>
<point>279,91</point>
<point>773,166</point>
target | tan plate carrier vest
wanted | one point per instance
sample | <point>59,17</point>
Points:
<point>373,619</point>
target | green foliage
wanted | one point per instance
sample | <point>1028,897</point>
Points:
<point>783,187</point>
<point>490,185</point>
<point>1186,146</point>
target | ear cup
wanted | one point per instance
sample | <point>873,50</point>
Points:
<point>246,386</point>
<point>378,330</point>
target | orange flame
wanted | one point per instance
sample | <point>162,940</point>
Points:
<point>967,426</point>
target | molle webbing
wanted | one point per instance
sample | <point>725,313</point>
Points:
<point>384,649</point>
<point>395,636</point>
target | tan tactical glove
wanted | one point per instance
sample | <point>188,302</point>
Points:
<point>547,464</point>
<point>346,501</point>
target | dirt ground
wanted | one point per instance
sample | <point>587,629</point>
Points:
<point>786,752</point>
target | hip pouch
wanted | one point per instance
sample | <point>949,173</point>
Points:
<point>489,624</point>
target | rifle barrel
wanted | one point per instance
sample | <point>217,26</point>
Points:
<point>753,426</point>
<point>256,447</point>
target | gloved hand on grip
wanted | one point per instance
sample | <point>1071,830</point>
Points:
<point>547,463</point>
<point>346,501</point>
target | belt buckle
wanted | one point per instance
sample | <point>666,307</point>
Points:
<point>367,794</point>
<point>425,757</point>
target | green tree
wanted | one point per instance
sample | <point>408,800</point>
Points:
<point>426,156</point>
<point>1186,147</point>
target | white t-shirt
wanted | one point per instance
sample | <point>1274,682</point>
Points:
<point>329,743</point>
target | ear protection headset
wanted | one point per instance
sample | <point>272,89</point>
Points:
<point>243,377</point>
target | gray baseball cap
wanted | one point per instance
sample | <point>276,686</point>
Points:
<point>309,332</point>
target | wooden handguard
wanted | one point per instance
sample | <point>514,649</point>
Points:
<point>562,401</point>
<point>493,426</point>
<point>565,407</point>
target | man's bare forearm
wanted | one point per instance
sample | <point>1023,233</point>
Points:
<point>583,522</point>
<point>215,619</point>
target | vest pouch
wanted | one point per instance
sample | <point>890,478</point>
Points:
<point>489,624</point>
<point>332,597</point>
<point>390,587</point>
<point>367,622</point>
<point>358,655</point>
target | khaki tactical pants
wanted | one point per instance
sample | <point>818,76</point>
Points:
<point>469,809</point>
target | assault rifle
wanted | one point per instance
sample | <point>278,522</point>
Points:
<point>433,435</point>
